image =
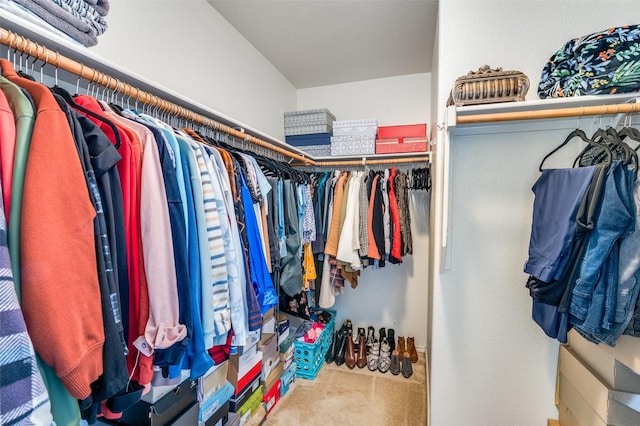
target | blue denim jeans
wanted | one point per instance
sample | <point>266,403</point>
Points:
<point>593,301</point>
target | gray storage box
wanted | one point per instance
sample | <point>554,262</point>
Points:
<point>353,145</point>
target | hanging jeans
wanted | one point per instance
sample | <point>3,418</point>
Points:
<point>593,298</point>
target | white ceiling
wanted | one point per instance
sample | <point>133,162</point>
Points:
<point>320,42</point>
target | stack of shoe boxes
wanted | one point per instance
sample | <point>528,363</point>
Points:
<point>286,350</point>
<point>244,374</point>
<point>169,401</point>
<point>214,394</point>
<point>310,130</point>
<point>271,365</point>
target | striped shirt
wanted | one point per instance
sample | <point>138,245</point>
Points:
<point>215,300</point>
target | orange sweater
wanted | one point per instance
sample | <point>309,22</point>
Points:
<point>60,290</point>
<point>331,248</point>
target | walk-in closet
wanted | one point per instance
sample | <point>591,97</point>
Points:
<point>312,212</point>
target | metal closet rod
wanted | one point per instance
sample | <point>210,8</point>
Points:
<point>35,50</point>
<point>549,113</point>
<point>367,161</point>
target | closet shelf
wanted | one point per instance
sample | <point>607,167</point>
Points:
<point>26,37</point>
<point>576,106</point>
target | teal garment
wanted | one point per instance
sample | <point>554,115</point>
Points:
<point>64,407</point>
<point>25,117</point>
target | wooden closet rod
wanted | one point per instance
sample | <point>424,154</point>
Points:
<point>35,50</point>
<point>548,113</point>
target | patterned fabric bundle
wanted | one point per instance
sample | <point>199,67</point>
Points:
<point>605,62</point>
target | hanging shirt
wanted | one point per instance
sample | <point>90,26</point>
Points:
<point>386,217</point>
<point>7,150</point>
<point>364,216</point>
<point>140,364</point>
<point>216,315</point>
<point>346,252</point>
<point>24,115</point>
<point>197,359</point>
<point>233,250</point>
<point>173,355</point>
<point>309,223</point>
<point>260,278</point>
<point>396,243</point>
<point>163,328</point>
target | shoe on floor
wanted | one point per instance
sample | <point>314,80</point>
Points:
<point>391,338</point>
<point>330,355</point>
<point>350,355</point>
<point>411,348</point>
<point>395,363</point>
<point>407,369</point>
<point>385,356</point>
<point>401,345</point>
<point>361,360</point>
<point>373,356</point>
<point>371,337</point>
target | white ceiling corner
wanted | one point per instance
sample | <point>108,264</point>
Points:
<point>321,42</point>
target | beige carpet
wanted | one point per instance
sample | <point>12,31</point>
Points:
<point>340,396</point>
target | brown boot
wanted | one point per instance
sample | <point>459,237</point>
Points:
<point>401,346</point>
<point>350,356</point>
<point>411,348</point>
<point>362,351</point>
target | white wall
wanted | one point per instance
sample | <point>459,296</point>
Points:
<point>392,100</point>
<point>395,296</point>
<point>491,365</point>
<point>187,46</point>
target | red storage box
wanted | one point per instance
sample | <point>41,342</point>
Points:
<point>399,145</point>
<point>272,398</point>
<point>405,131</point>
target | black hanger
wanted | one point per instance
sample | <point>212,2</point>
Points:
<point>69,99</point>
<point>580,134</point>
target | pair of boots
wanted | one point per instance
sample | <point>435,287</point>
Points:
<point>408,347</point>
<point>342,350</point>
<point>403,367</point>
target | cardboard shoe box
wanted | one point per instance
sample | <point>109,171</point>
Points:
<point>213,380</point>
<point>270,355</point>
<point>587,400</point>
<point>176,407</point>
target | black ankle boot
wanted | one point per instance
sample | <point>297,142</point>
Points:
<point>340,346</point>
<point>330,355</point>
<point>392,339</point>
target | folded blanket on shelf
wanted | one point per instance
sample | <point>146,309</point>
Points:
<point>83,10</point>
<point>74,27</point>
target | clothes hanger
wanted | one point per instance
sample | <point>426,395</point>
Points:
<point>69,100</point>
<point>579,134</point>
